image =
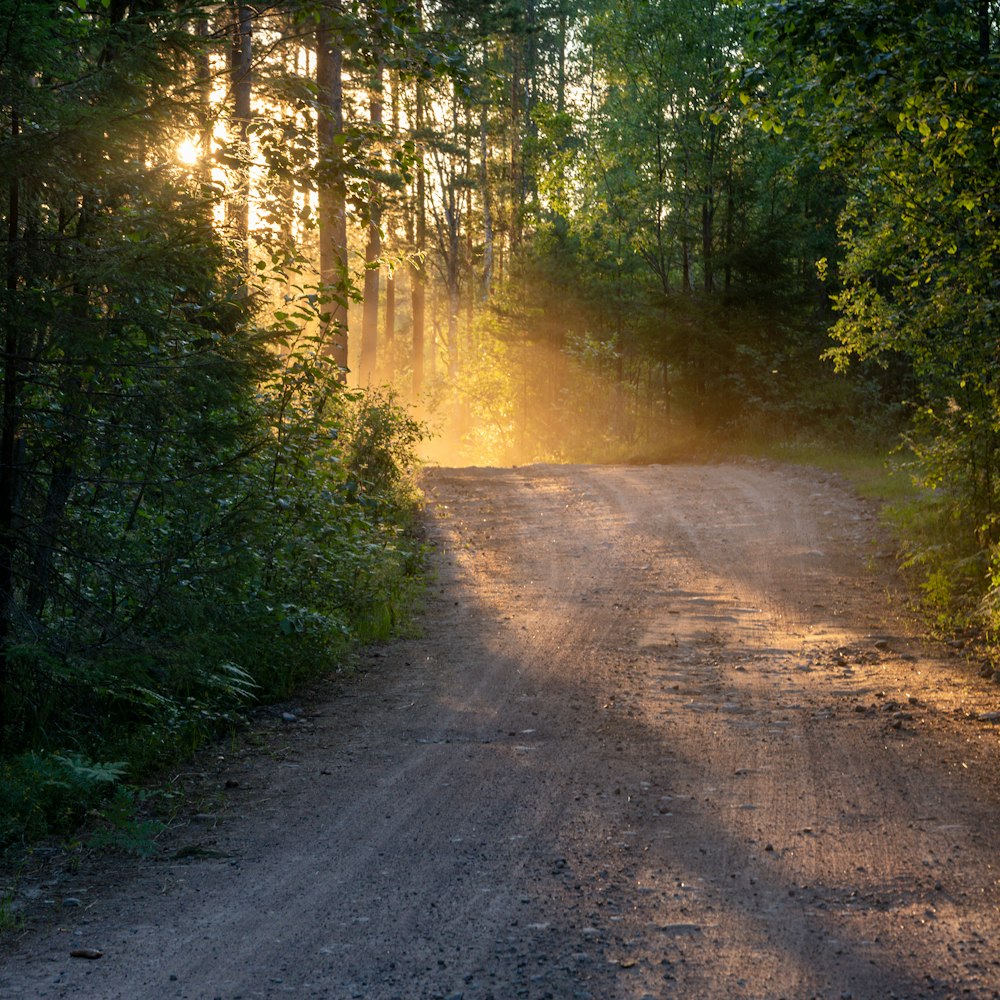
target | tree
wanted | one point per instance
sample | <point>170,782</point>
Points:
<point>333,249</point>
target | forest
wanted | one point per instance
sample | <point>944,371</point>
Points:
<point>260,259</point>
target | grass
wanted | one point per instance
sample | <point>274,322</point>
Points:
<point>946,579</point>
<point>10,920</point>
<point>874,473</point>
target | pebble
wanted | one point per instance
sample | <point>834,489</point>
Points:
<point>71,901</point>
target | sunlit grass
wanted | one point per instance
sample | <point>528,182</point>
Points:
<point>875,473</point>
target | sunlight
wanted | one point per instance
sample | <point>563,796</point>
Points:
<point>188,151</point>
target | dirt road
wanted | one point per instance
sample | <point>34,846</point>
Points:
<point>662,735</point>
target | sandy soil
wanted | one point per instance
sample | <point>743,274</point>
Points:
<point>665,733</point>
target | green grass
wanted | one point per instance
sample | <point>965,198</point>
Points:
<point>946,579</point>
<point>875,474</point>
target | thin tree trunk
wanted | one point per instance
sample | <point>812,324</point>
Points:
<point>708,215</point>
<point>389,337</point>
<point>730,211</point>
<point>8,441</point>
<point>203,72</point>
<point>389,334</point>
<point>484,189</point>
<point>417,274</point>
<point>516,166</point>
<point>685,229</point>
<point>561,81</point>
<point>333,264</point>
<point>373,251</point>
<point>240,62</point>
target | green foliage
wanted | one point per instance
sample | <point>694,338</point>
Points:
<point>123,828</point>
<point>900,101</point>
<point>669,278</point>
<point>43,792</point>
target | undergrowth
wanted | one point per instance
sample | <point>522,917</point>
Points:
<point>319,554</point>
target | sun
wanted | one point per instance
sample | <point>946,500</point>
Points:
<point>188,152</point>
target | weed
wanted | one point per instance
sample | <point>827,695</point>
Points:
<point>123,828</point>
<point>10,919</point>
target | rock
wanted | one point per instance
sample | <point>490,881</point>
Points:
<point>989,717</point>
<point>86,953</point>
<point>71,901</point>
<point>288,717</point>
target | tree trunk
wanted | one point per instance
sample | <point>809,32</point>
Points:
<point>373,251</point>
<point>333,265</point>
<point>516,165</point>
<point>8,441</point>
<point>203,73</point>
<point>708,214</point>
<point>484,189</point>
<point>730,213</point>
<point>417,284</point>
<point>240,62</point>
<point>561,80</point>
<point>389,336</point>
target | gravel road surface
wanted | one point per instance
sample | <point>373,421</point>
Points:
<point>664,732</point>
